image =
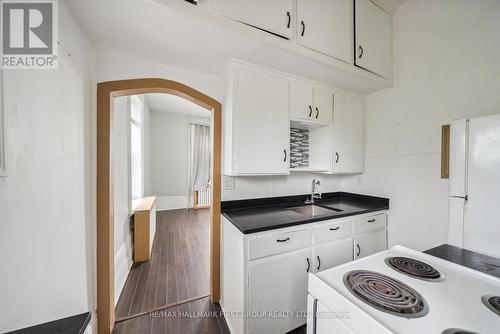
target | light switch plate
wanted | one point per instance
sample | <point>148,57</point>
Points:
<point>227,182</point>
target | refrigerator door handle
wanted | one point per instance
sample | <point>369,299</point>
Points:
<point>465,198</point>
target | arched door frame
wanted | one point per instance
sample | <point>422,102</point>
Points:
<point>106,92</point>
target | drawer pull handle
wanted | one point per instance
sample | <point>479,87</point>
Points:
<point>310,111</point>
<point>372,220</point>
<point>308,265</point>
<point>359,250</point>
<point>334,228</point>
<point>319,263</point>
<point>283,240</point>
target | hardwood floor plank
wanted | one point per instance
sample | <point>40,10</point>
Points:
<point>196,317</point>
<point>179,266</point>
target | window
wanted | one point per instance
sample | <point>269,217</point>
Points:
<point>136,147</point>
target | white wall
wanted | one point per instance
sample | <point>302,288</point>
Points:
<point>47,256</point>
<point>275,186</point>
<point>447,66</point>
<point>121,198</point>
<point>170,159</point>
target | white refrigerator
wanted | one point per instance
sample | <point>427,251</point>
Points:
<point>474,190</point>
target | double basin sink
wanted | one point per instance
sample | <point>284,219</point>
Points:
<point>312,210</point>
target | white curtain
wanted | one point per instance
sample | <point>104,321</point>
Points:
<point>201,158</point>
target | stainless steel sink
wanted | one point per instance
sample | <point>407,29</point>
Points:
<point>312,210</point>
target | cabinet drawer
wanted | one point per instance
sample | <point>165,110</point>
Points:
<point>278,243</point>
<point>332,230</point>
<point>370,223</point>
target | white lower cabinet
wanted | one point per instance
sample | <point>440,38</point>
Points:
<point>277,284</point>
<point>321,321</point>
<point>332,254</point>
<point>268,271</point>
<point>370,243</point>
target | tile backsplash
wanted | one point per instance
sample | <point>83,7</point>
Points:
<point>299,148</point>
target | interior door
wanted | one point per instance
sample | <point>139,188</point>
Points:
<point>332,254</point>
<point>261,124</point>
<point>274,16</point>
<point>326,26</point>
<point>323,105</point>
<point>348,134</point>
<point>370,243</point>
<point>482,226</point>
<point>302,100</point>
<point>278,284</point>
<point>373,38</point>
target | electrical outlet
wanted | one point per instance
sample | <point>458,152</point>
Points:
<point>227,182</point>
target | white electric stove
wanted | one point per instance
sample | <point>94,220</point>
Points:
<point>403,291</point>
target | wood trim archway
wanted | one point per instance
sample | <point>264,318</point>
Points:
<point>106,91</point>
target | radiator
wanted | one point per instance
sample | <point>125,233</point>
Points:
<point>202,198</point>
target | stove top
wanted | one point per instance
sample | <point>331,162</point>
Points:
<point>385,293</point>
<point>409,292</point>
<point>414,268</point>
<point>492,302</point>
<point>457,331</point>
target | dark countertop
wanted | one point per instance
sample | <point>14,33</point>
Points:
<point>483,263</point>
<point>256,215</point>
<point>71,325</point>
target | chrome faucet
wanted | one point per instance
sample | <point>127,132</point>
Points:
<point>314,194</point>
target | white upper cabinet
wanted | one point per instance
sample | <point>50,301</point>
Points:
<point>323,104</point>
<point>348,134</point>
<point>273,16</point>
<point>326,26</point>
<point>302,100</point>
<point>373,38</point>
<point>311,103</point>
<point>257,122</point>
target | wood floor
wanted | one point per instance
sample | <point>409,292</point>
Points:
<point>197,317</point>
<point>179,266</point>
<point>178,271</point>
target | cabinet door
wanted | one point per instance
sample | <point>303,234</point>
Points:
<point>332,254</point>
<point>348,134</point>
<point>274,16</point>
<point>261,126</point>
<point>302,100</point>
<point>323,105</point>
<point>278,284</point>
<point>370,243</point>
<point>373,36</point>
<point>326,26</point>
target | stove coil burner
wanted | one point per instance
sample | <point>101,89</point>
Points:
<point>492,302</point>
<point>457,331</point>
<point>386,294</point>
<point>414,268</point>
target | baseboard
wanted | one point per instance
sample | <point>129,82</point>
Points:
<point>171,202</point>
<point>123,264</point>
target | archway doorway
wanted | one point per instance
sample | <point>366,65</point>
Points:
<point>106,92</point>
